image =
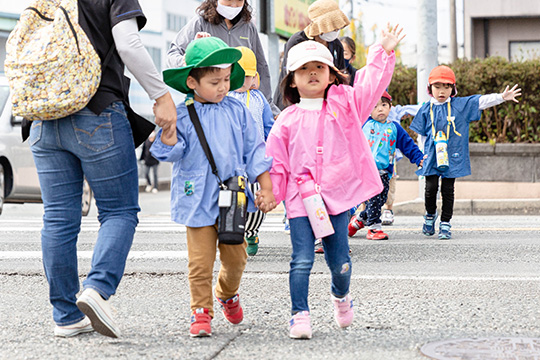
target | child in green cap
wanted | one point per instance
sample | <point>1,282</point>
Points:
<point>212,70</point>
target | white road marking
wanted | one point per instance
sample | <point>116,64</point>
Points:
<point>33,255</point>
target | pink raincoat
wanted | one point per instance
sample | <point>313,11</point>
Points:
<point>349,175</point>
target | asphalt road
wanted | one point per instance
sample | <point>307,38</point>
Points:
<point>408,291</point>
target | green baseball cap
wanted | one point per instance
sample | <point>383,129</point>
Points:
<point>205,52</point>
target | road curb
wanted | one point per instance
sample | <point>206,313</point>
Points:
<point>476,207</point>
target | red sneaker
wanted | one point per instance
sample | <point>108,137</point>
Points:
<point>232,309</point>
<point>376,235</point>
<point>355,225</point>
<point>200,323</point>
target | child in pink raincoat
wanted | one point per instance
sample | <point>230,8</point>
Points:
<point>320,135</point>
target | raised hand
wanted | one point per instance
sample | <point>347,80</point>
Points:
<point>391,37</point>
<point>512,93</point>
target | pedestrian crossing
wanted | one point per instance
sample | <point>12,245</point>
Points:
<point>147,224</point>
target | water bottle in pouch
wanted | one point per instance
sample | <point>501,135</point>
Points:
<point>441,150</point>
<point>232,203</point>
<point>315,208</point>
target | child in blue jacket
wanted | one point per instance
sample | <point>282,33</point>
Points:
<point>449,116</point>
<point>384,137</point>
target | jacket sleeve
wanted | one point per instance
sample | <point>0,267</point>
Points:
<point>254,148</point>
<point>276,147</point>
<point>268,120</point>
<point>175,55</point>
<point>168,153</point>
<point>407,146</point>
<point>372,80</point>
<point>418,123</point>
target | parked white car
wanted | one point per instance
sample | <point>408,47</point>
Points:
<point>19,181</point>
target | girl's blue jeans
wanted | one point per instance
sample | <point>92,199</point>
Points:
<point>100,148</point>
<point>336,254</point>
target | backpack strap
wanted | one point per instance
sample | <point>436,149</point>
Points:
<point>202,138</point>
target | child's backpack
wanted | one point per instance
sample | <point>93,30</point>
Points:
<point>51,65</point>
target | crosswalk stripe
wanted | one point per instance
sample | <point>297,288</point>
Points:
<point>32,255</point>
<point>159,225</point>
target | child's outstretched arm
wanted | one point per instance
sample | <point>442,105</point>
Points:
<point>371,80</point>
<point>487,101</point>
<point>265,200</point>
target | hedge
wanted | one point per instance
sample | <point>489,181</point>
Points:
<point>509,122</point>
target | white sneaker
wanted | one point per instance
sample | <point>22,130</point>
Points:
<point>148,188</point>
<point>99,312</point>
<point>80,327</point>
<point>387,217</point>
<point>154,191</point>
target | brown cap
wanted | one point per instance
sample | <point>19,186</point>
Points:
<point>325,17</point>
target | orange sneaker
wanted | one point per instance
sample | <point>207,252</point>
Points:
<point>376,235</point>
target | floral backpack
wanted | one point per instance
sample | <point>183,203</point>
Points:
<point>52,68</point>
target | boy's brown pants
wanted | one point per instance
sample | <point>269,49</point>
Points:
<point>202,245</point>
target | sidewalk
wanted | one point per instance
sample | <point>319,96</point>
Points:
<point>475,198</point>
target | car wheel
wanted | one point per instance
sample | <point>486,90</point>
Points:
<point>2,188</point>
<point>86,198</point>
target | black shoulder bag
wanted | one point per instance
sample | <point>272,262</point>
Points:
<point>232,199</point>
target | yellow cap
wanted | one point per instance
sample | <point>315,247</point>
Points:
<point>248,62</point>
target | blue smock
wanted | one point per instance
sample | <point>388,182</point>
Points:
<point>464,110</point>
<point>236,145</point>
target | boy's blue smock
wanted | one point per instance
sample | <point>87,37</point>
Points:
<point>236,146</point>
<point>384,139</point>
<point>465,110</point>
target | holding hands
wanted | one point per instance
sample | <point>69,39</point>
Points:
<point>265,200</point>
<point>165,112</point>
<point>511,94</point>
<point>391,37</point>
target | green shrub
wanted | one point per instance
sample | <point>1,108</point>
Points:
<point>509,122</point>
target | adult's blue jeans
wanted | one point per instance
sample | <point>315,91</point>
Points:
<point>336,254</point>
<point>100,148</point>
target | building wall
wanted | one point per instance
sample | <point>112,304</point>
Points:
<point>505,21</point>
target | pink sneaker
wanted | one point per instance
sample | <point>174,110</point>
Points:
<point>300,326</point>
<point>343,310</point>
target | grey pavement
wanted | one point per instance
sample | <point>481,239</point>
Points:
<point>408,291</point>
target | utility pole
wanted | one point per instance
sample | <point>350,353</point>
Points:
<point>453,37</point>
<point>427,53</point>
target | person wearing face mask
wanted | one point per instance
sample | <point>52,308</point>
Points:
<point>229,20</point>
<point>349,54</point>
<point>326,21</point>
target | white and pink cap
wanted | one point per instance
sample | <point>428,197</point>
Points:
<point>307,51</point>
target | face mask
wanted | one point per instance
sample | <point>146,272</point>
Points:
<point>347,62</point>
<point>228,12</point>
<point>329,36</point>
